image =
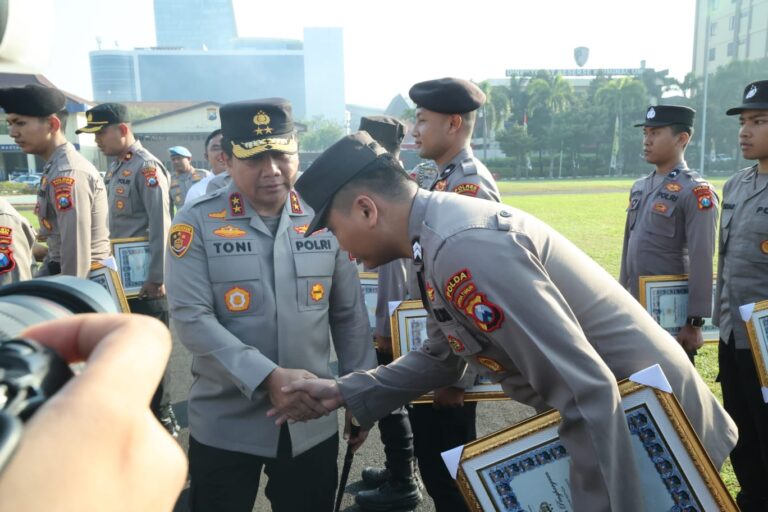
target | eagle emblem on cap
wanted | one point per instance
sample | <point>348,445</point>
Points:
<point>651,113</point>
<point>751,92</point>
<point>262,120</point>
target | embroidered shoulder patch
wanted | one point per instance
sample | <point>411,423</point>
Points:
<point>467,189</point>
<point>150,176</point>
<point>62,187</point>
<point>7,263</point>
<point>6,235</point>
<point>180,238</point>
<point>456,280</point>
<point>704,198</point>
<point>486,315</point>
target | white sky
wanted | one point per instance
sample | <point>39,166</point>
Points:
<point>391,45</point>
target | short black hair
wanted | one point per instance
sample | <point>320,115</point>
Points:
<point>677,129</point>
<point>468,119</point>
<point>62,115</point>
<point>210,136</point>
<point>384,177</point>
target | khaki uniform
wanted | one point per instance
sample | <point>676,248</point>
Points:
<point>466,175</point>
<point>182,182</point>
<point>16,239</point>
<point>522,305</point>
<point>244,302</point>
<point>670,229</point>
<point>72,208</point>
<point>137,186</point>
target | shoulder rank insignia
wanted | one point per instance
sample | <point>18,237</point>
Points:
<point>7,263</point>
<point>295,204</point>
<point>673,187</point>
<point>703,197</point>
<point>467,189</point>
<point>486,315</point>
<point>180,238</point>
<point>229,231</point>
<point>236,208</point>
<point>150,176</point>
<point>455,281</point>
<point>237,299</point>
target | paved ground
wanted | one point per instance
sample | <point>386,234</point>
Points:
<point>491,417</point>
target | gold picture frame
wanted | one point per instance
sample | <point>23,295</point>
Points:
<point>757,327</point>
<point>499,471</point>
<point>409,330</point>
<point>110,280</point>
<point>369,282</point>
<point>665,298</point>
<point>132,256</point>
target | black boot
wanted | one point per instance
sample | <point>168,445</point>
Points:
<point>391,495</point>
<point>374,477</point>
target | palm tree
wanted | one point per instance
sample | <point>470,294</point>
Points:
<point>623,99</point>
<point>548,97</point>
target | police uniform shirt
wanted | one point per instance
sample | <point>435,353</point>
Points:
<point>219,181</point>
<point>137,185</point>
<point>245,301</point>
<point>522,305</point>
<point>16,239</point>
<point>466,175</point>
<point>670,229</point>
<point>199,188</point>
<point>182,182</point>
<point>72,209</point>
<point>742,274</point>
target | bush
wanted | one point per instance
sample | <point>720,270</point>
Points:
<point>9,188</point>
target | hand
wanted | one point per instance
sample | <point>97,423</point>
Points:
<point>39,251</point>
<point>690,338</point>
<point>152,290</point>
<point>116,454</point>
<point>296,406</point>
<point>324,391</point>
<point>383,344</point>
<point>448,397</point>
<point>357,441</point>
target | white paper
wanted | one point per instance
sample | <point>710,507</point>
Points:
<point>451,458</point>
<point>393,306</point>
<point>110,263</point>
<point>765,395</point>
<point>652,376</point>
<point>746,311</point>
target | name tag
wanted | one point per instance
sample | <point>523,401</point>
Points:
<point>224,248</point>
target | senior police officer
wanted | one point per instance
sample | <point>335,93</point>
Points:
<point>71,199</point>
<point>185,176</point>
<point>255,302</point>
<point>517,301</point>
<point>742,278</point>
<point>17,237</point>
<point>139,207</point>
<point>671,219</point>
<point>446,110</point>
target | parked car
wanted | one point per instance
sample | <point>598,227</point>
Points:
<point>722,157</point>
<point>28,179</point>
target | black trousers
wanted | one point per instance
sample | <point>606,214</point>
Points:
<point>397,437</point>
<point>226,481</point>
<point>156,308</point>
<point>743,400</point>
<point>435,431</point>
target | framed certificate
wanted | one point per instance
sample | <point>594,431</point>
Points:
<point>526,467</point>
<point>369,281</point>
<point>409,332</point>
<point>757,326</point>
<point>665,298</point>
<point>132,256</point>
<point>110,280</point>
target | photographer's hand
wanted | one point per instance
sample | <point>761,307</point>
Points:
<point>95,445</point>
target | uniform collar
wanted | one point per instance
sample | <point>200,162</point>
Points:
<point>674,174</point>
<point>466,152</point>
<point>418,213</point>
<point>59,152</point>
<point>751,175</point>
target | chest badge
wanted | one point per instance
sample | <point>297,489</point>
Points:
<point>660,207</point>
<point>764,246</point>
<point>218,215</point>
<point>440,186</point>
<point>237,299</point>
<point>317,292</point>
<point>456,344</point>
<point>430,292</point>
<point>467,189</point>
<point>490,363</point>
<point>673,187</point>
<point>301,229</point>
<point>229,231</point>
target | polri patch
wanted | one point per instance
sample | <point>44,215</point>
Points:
<point>229,231</point>
<point>467,189</point>
<point>703,197</point>
<point>237,299</point>
<point>180,238</point>
<point>7,263</point>
<point>317,292</point>
<point>486,315</point>
<point>62,187</point>
<point>456,280</point>
<point>295,204</point>
<point>490,363</point>
<point>236,208</point>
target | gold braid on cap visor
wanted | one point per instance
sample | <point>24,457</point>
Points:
<point>254,147</point>
<point>93,126</point>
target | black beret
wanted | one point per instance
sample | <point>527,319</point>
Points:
<point>255,126</point>
<point>103,115</point>
<point>333,169</point>
<point>447,95</point>
<point>32,100</point>
<point>755,98</point>
<point>386,130</point>
<point>665,115</point>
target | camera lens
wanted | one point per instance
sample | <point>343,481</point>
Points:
<point>31,302</point>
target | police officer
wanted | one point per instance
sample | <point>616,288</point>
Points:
<point>446,110</point>
<point>742,278</point>
<point>255,302</point>
<point>516,301</point>
<point>671,219</point>
<point>71,199</point>
<point>139,206</point>
<point>185,175</point>
<point>215,157</point>
<point>16,240</point>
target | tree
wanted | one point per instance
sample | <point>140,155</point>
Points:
<point>548,97</point>
<point>624,99</point>
<point>321,133</point>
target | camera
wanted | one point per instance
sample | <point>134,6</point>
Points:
<point>29,372</point>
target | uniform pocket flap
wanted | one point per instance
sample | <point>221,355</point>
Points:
<point>240,268</point>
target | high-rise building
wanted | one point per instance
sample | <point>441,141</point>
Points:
<point>195,24</point>
<point>729,30</point>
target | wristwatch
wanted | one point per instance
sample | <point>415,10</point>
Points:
<point>694,321</point>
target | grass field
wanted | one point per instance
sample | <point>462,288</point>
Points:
<point>590,213</point>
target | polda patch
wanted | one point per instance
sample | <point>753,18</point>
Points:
<point>180,238</point>
<point>455,281</point>
<point>467,189</point>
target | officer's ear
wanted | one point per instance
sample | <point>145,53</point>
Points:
<point>364,206</point>
<point>54,123</point>
<point>455,122</point>
<point>124,129</point>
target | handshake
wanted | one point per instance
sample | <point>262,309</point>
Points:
<point>298,395</point>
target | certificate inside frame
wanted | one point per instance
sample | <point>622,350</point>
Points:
<point>132,256</point>
<point>409,330</point>
<point>369,282</point>
<point>757,327</point>
<point>526,462</point>
<point>650,290</point>
<point>110,280</point>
